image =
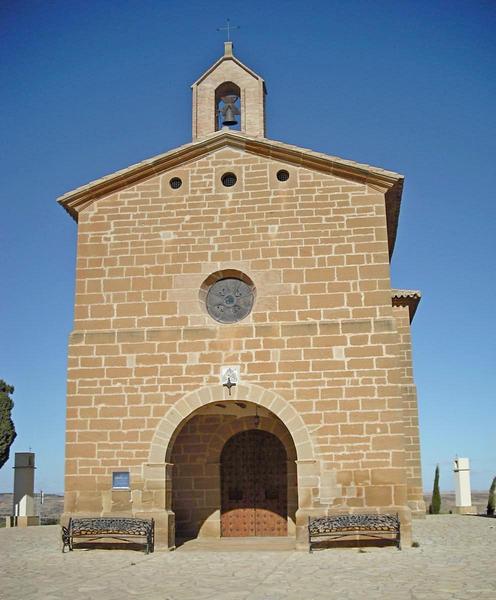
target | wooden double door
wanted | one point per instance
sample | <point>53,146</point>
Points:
<point>254,488</point>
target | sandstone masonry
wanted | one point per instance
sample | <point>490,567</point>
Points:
<point>324,355</point>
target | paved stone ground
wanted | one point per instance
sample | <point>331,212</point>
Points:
<point>455,561</point>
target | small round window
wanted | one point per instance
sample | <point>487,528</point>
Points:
<point>229,179</point>
<point>175,183</point>
<point>229,300</point>
<point>282,175</point>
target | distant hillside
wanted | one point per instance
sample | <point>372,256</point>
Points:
<point>53,504</point>
<point>50,510</point>
<point>479,499</point>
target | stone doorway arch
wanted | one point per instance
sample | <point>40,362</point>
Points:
<point>195,466</point>
<point>160,447</point>
<point>284,421</point>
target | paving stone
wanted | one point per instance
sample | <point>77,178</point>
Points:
<point>455,561</point>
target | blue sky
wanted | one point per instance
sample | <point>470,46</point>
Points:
<point>92,87</point>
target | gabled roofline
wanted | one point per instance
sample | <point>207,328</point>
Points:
<point>228,55</point>
<point>410,298</point>
<point>387,182</point>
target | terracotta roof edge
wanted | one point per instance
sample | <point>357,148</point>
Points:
<point>410,298</point>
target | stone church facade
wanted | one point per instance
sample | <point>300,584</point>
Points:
<point>239,260</point>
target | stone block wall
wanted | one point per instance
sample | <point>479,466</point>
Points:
<point>410,412</point>
<point>322,333</point>
<point>195,489</point>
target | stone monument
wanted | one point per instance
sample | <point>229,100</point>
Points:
<point>461,469</point>
<point>24,504</point>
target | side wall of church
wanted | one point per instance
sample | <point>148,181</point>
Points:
<point>321,334</point>
<point>410,410</point>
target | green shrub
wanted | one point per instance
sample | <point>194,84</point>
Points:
<point>7,429</point>
<point>435,506</point>
<point>491,501</point>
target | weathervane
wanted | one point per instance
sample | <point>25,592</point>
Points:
<point>228,28</point>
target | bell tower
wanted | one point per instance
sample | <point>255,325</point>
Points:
<point>229,94</point>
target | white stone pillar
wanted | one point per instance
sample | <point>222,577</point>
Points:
<point>24,484</point>
<point>24,504</point>
<point>463,503</point>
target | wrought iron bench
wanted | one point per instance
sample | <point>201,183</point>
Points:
<point>337,527</point>
<point>118,528</point>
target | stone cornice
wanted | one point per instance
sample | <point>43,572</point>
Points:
<point>409,298</point>
<point>247,330</point>
<point>387,182</point>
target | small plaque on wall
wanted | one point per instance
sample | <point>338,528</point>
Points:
<point>231,373</point>
<point>120,480</point>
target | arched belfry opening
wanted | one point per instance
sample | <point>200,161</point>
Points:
<point>229,94</point>
<point>228,105</point>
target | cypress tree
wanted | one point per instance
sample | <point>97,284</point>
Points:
<point>491,501</point>
<point>7,429</point>
<point>435,506</point>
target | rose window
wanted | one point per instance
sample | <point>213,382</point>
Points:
<point>229,300</point>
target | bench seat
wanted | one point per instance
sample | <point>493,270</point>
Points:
<point>337,527</point>
<point>126,529</point>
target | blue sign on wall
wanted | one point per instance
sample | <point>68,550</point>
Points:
<point>120,479</point>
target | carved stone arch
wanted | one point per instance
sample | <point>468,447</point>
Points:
<point>226,430</point>
<point>168,428</point>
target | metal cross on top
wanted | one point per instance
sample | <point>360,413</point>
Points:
<point>228,28</point>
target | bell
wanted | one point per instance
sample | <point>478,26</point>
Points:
<point>228,116</point>
<point>229,110</point>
